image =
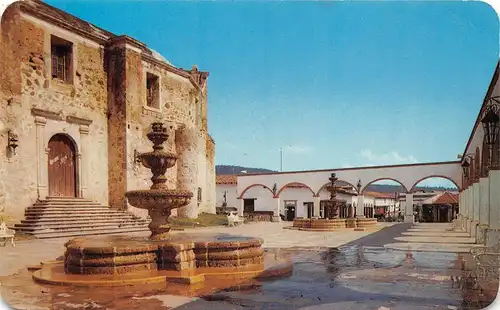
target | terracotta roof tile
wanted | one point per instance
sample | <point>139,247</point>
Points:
<point>379,195</point>
<point>226,179</point>
<point>447,198</point>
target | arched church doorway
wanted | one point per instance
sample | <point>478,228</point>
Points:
<point>62,167</point>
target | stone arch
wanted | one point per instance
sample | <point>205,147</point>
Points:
<point>382,179</point>
<point>292,183</point>
<point>326,184</point>
<point>68,136</point>
<point>253,185</point>
<point>434,176</point>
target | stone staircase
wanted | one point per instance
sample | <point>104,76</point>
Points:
<point>68,217</point>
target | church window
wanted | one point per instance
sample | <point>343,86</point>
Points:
<point>61,56</point>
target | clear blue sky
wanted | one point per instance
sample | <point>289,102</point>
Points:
<point>343,83</point>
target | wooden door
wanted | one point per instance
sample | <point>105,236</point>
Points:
<point>62,167</point>
<point>290,213</point>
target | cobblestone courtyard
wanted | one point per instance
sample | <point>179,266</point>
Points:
<point>332,270</point>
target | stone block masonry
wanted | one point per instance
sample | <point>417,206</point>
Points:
<point>101,106</point>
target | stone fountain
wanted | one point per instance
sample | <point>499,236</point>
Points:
<point>332,220</point>
<point>158,200</point>
<point>162,257</point>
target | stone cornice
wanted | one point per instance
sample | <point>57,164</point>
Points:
<point>46,113</point>
<point>33,11</point>
<point>170,68</point>
<point>78,120</point>
<point>103,37</point>
<point>124,40</point>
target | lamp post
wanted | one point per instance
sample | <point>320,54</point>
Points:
<point>360,204</point>
<point>358,186</point>
<point>281,158</point>
<point>465,166</point>
<point>491,127</point>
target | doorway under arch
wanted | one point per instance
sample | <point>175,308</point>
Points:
<point>62,167</point>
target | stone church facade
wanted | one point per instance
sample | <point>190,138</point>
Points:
<point>77,101</point>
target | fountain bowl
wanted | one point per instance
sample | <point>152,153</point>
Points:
<point>159,199</point>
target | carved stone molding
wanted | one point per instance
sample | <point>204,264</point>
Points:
<point>40,121</point>
<point>78,120</point>
<point>84,129</point>
<point>47,114</point>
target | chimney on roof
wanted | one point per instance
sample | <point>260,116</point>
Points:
<point>194,68</point>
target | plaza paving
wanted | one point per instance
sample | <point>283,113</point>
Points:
<point>332,270</point>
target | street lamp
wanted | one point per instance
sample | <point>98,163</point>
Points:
<point>490,124</point>
<point>465,166</point>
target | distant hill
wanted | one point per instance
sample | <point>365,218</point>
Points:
<point>229,169</point>
<point>381,188</point>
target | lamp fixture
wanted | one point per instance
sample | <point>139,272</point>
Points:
<point>491,120</point>
<point>358,186</point>
<point>466,164</point>
<point>12,141</point>
<point>137,158</point>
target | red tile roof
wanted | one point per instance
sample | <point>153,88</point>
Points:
<point>447,198</point>
<point>442,198</point>
<point>226,179</point>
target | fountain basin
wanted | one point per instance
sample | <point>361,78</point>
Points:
<point>318,224</point>
<point>185,258</point>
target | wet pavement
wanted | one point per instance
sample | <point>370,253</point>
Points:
<point>361,274</point>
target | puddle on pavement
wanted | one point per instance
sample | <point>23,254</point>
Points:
<point>355,275</point>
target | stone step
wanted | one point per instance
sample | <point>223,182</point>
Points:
<point>105,217</point>
<point>67,202</point>
<point>69,227</point>
<point>447,240</point>
<point>65,217</point>
<point>71,210</point>
<point>65,206</point>
<point>88,232</point>
<point>78,221</point>
<point>436,234</point>
<point>58,198</point>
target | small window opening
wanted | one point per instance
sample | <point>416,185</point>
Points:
<point>61,57</point>
<point>153,91</point>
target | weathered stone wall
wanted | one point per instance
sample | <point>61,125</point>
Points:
<point>117,113</point>
<point>108,91</point>
<point>26,83</point>
<point>179,101</point>
<point>187,141</point>
<point>210,175</point>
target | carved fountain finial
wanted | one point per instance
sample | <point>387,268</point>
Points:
<point>158,200</point>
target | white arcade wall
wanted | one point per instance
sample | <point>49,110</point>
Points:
<point>264,200</point>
